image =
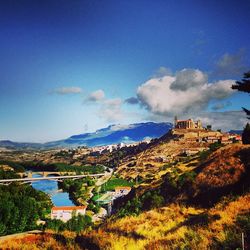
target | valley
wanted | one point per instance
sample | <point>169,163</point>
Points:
<point>182,189</point>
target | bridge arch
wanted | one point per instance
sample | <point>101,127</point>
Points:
<point>52,174</point>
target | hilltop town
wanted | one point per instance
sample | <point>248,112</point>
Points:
<point>187,138</point>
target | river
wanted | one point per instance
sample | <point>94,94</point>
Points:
<point>50,187</point>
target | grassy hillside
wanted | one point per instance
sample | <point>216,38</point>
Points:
<point>171,227</point>
<point>199,202</point>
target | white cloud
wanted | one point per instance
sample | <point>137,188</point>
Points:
<point>67,90</point>
<point>188,78</point>
<point>226,121</point>
<point>111,110</point>
<point>116,102</point>
<point>119,127</point>
<point>96,96</point>
<point>186,92</point>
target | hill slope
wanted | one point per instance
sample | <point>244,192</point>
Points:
<point>166,215</point>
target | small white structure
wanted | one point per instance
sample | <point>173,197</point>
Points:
<point>121,191</point>
<point>65,213</point>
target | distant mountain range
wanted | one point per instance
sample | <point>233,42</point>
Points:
<point>112,134</point>
<point>239,132</point>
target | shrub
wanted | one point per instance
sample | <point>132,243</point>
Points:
<point>133,207</point>
<point>246,134</point>
<point>186,178</point>
<point>76,224</point>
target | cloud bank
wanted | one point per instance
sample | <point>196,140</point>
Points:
<point>188,92</point>
<point>226,120</point>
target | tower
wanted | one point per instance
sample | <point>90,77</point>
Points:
<point>175,121</point>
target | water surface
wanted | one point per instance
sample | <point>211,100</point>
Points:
<point>50,187</point>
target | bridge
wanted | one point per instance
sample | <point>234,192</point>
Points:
<point>45,173</point>
<point>57,178</point>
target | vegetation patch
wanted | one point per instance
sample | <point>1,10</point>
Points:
<point>62,167</point>
<point>14,165</point>
<point>112,183</point>
<point>20,208</point>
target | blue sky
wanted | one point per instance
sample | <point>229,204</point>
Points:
<point>69,67</point>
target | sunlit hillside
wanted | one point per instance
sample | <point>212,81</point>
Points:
<point>200,203</point>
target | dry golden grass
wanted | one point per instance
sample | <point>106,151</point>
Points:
<point>223,167</point>
<point>176,226</point>
<point>172,227</point>
<point>150,156</point>
<point>41,241</point>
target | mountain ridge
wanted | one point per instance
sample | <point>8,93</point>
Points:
<point>112,134</point>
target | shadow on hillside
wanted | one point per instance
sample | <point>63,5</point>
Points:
<point>202,219</point>
<point>60,238</point>
<point>85,243</point>
<point>192,164</point>
<point>133,235</point>
<point>244,155</point>
<point>81,241</point>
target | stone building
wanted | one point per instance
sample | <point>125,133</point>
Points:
<point>187,124</point>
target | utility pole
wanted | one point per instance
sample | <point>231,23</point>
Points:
<point>242,240</point>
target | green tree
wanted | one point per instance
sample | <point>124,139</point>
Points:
<point>246,134</point>
<point>244,86</point>
<point>56,225</point>
<point>156,201</point>
<point>20,207</point>
<point>78,223</point>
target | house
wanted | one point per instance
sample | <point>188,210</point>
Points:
<point>192,151</point>
<point>121,191</point>
<point>225,139</point>
<point>65,213</point>
<point>212,139</point>
<point>235,137</point>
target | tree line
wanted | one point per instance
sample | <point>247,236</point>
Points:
<point>20,208</point>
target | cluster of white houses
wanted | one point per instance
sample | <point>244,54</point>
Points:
<point>113,147</point>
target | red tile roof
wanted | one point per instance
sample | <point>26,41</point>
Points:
<point>68,208</point>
